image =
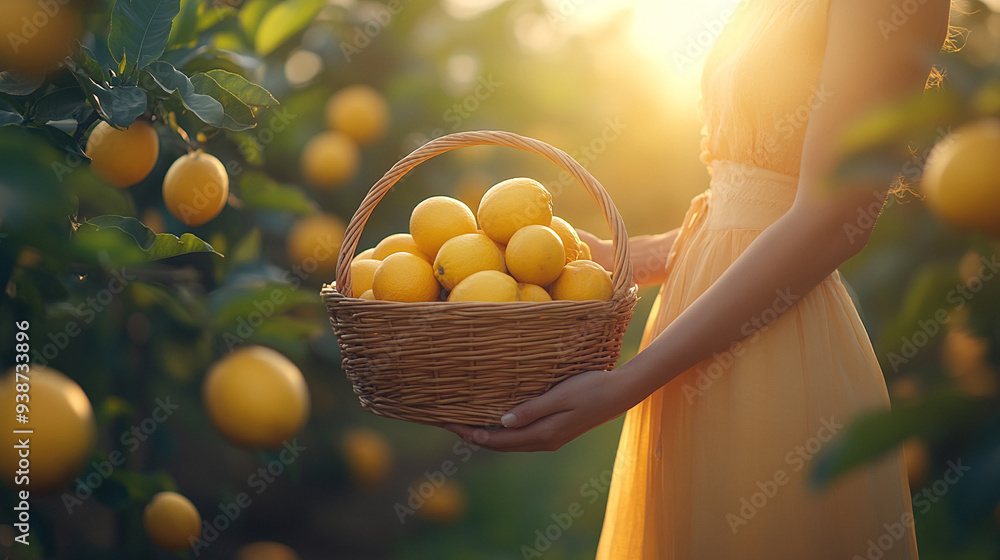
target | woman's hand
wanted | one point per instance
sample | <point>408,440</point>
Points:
<point>601,250</point>
<point>548,422</point>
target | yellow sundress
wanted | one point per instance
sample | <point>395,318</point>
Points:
<point>715,464</point>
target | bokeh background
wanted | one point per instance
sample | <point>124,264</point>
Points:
<point>615,84</point>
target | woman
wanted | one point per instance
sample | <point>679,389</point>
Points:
<point>754,356</point>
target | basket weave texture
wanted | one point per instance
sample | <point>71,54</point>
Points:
<point>469,362</point>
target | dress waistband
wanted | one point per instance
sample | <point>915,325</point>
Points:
<point>747,197</point>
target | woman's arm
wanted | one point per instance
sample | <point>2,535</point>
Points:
<point>863,69</point>
<point>648,252</point>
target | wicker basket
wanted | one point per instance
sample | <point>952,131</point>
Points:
<point>470,362</point>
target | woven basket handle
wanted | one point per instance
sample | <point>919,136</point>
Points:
<point>622,273</point>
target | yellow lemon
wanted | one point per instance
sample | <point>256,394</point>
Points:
<point>571,241</point>
<point>535,255</point>
<point>585,254</point>
<point>532,292</point>
<point>35,36</point>
<point>582,280</point>
<point>196,188</point>
<point>171,521</point>
<point>366,254</point>
<point>362,271</point>
<point>369,294</point>
<point>368,454</point>
<point>512,204</point>
<point>962,177</point>
<point>358,111</point>
<point>398,243</point>
<point>486,285</point>
<point>329,160</point>
<point>313,244</point>
<point>446,504</point>
<point>438,219</point>
<point>464,255</point>
<point>266,550</point>
<point>123,157</point>
<point>256,397</point>
<point>405,277</point>
<point>60,414</point>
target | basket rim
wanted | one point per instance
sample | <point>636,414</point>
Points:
<point>622,274</point>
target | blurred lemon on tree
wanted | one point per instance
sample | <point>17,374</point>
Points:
<point>962,177</point>
<point>256,397</point>
<point>266,550</point>
<point>34,36</point>
<point>438,219</point>
<point>123,157</point>
<point>532,292</point>
<point>358,111</point>
<point>512,204</point>
<point>196,188</point>
<point>488,285</point>
<point>362,272</point>
<point>464,255</point>
<point>535,255</point>
<point>917,457</point>
<point>405,277</point>
<point>397,243</point>
<point>62,418</point>
<point>329,160</point>
<point>446,504</point>
<point>368,455</point>
<point>314,243</point>
<point>171,521</point>
<point>582,280</point>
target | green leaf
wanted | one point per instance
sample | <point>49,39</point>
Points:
<point>64,141</point>
<point>139,32</point>
<point>9,117</point>
<point>121,104</point>
<point>261,192</point>
<point>153,246</point>
<point>872,435</point>
<point>239,87</point>
<point>173,82</point>
<point>283,22</point>
<point>88,61</point>
<point>16,83</point>
<point>185,28</point>
<point>251,14</point>
<point>62,103</point>
<point>238,116</point>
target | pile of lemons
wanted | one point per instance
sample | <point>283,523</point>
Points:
<point>512,249</point>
